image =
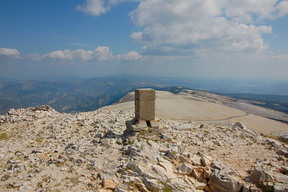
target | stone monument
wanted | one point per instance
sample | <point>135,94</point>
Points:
<point>145,105</point>
<point>144,111</point>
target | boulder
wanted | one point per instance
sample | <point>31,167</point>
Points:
<point>222,179</point>
<point>185,169</point>
<point>196,160</point>
<point>239,125</point>
<point>282,152</point>
<point>142,187</point>
<point>280,187</point>
<point>219,182</point>
<point>170,155</point>
<point>201,174</point>
<point>284,170</point>
<point>108,184</point>
<point>152,185</point>
<point>260,176</point>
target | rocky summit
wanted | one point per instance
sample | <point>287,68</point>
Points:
<point>44,150</point>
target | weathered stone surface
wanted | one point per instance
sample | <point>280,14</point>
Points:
<point>205,161</point>
<point>119,189</point>
<point>145,104</point>
<point>259,175</point>
<point>152,185</point>
<point>280,187</point>
<point>145,94</point>
<point>185,168</point>
<point>170,155</point>
<point>43,150</point>
<point>142,187</point>
<point>219,182</point>
<point>145,110</point>
<point>284,170</point>
<point>136,126</point>
<point>109,184</point>
<point>239,125</point>
<point>200,173</point>
<point>222,180</point>
<point>255,189</point>
<point>183,127</point>
<point>196,160</point>
<point>283,152</point>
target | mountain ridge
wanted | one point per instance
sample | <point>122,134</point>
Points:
<point>78,95</point>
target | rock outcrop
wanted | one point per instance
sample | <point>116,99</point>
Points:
<point>43,150</point>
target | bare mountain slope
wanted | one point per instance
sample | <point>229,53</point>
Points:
<point>203,106</point>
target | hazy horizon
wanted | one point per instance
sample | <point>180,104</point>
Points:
<point>206,39</point>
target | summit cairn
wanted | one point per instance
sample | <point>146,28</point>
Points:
<point>144,112</point>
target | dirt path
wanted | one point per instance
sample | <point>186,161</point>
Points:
<point>225,119</point>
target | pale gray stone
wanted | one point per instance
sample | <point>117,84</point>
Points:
<point>152,185</point>
<point>196,160</point>
<point>185,168</point>
<point>170,155</point>
<point>282,152</point>
<point>280,187</point>
<point>259,175</point>
<point>219,182</point>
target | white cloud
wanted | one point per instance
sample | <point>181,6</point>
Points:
<point>100,53</point>
<point>9,52</point>
<point>183,27</point>
<point>282,9</point>
<point>98,7</point>
<point>131,56</point>
<point>249,10</point>
<point>94,7</point>
<point>281,57</point>
<point>103,53</point>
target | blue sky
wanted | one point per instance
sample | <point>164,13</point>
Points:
<point>240,39</point>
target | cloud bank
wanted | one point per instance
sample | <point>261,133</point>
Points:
<point>211,38</point>
<point>177,27</point>
<point>101,53</point>
<point>183,27</point>
<point>9,52</point>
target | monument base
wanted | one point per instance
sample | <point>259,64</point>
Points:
<point>135,126</point>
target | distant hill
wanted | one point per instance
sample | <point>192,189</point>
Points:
<point>276,102</point>
<point>68,96</point>
<point>79,95</point>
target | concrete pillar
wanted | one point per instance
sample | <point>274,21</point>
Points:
<point>145,105</point>
<point>144,114</point>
